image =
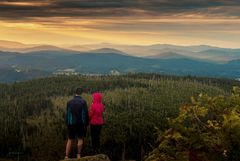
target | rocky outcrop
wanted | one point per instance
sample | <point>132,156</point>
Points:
<point>99,157</point>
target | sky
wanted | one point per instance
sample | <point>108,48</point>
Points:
<point>132,22</point>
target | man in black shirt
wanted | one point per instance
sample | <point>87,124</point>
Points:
<point>77,120</point>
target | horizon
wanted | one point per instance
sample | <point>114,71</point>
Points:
<point>107,43</point>
<point>138,22</point>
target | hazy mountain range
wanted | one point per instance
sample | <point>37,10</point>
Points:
<point>22,61</point>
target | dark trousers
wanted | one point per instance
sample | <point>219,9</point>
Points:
<point>95,134</point>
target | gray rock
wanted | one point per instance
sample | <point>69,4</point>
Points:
<point>99,157</point>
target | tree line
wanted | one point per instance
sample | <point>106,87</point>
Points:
<point>32,113</point>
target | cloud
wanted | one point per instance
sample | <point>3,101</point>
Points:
<point>33,9</point>
<point>214,22</point>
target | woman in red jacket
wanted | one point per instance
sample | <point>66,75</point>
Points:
<point>96,120</point>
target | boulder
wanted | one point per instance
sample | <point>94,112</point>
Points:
<point>99,157</point>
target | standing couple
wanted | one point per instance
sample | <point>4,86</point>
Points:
<point>78,118</point>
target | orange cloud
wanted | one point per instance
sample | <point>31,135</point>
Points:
<point>9,3</point>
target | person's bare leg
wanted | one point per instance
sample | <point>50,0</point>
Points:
<point>80,145</point>
<point>68,148</point>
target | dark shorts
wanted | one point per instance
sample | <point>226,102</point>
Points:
<point>78,131</point>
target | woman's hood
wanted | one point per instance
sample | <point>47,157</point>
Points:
<point>97,98</point>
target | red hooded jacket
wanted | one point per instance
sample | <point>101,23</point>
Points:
<point>96,110</point>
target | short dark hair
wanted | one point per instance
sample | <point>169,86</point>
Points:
<point>79,91</point>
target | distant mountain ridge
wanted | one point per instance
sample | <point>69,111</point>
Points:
<point>158,51</point>
<point>42,48</point>
<point>170,55</point>
<point>46,60</point>
<point>43,63</point>
<point>11,44</point>
<point>107,50</point>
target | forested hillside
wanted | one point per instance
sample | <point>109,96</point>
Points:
<point>15,67</point>
<point>32,113</point>
<point>207,129</point>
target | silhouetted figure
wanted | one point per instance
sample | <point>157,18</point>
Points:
<point>77,120</point>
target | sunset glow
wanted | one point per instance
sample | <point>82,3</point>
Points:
<point>60,22</point>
